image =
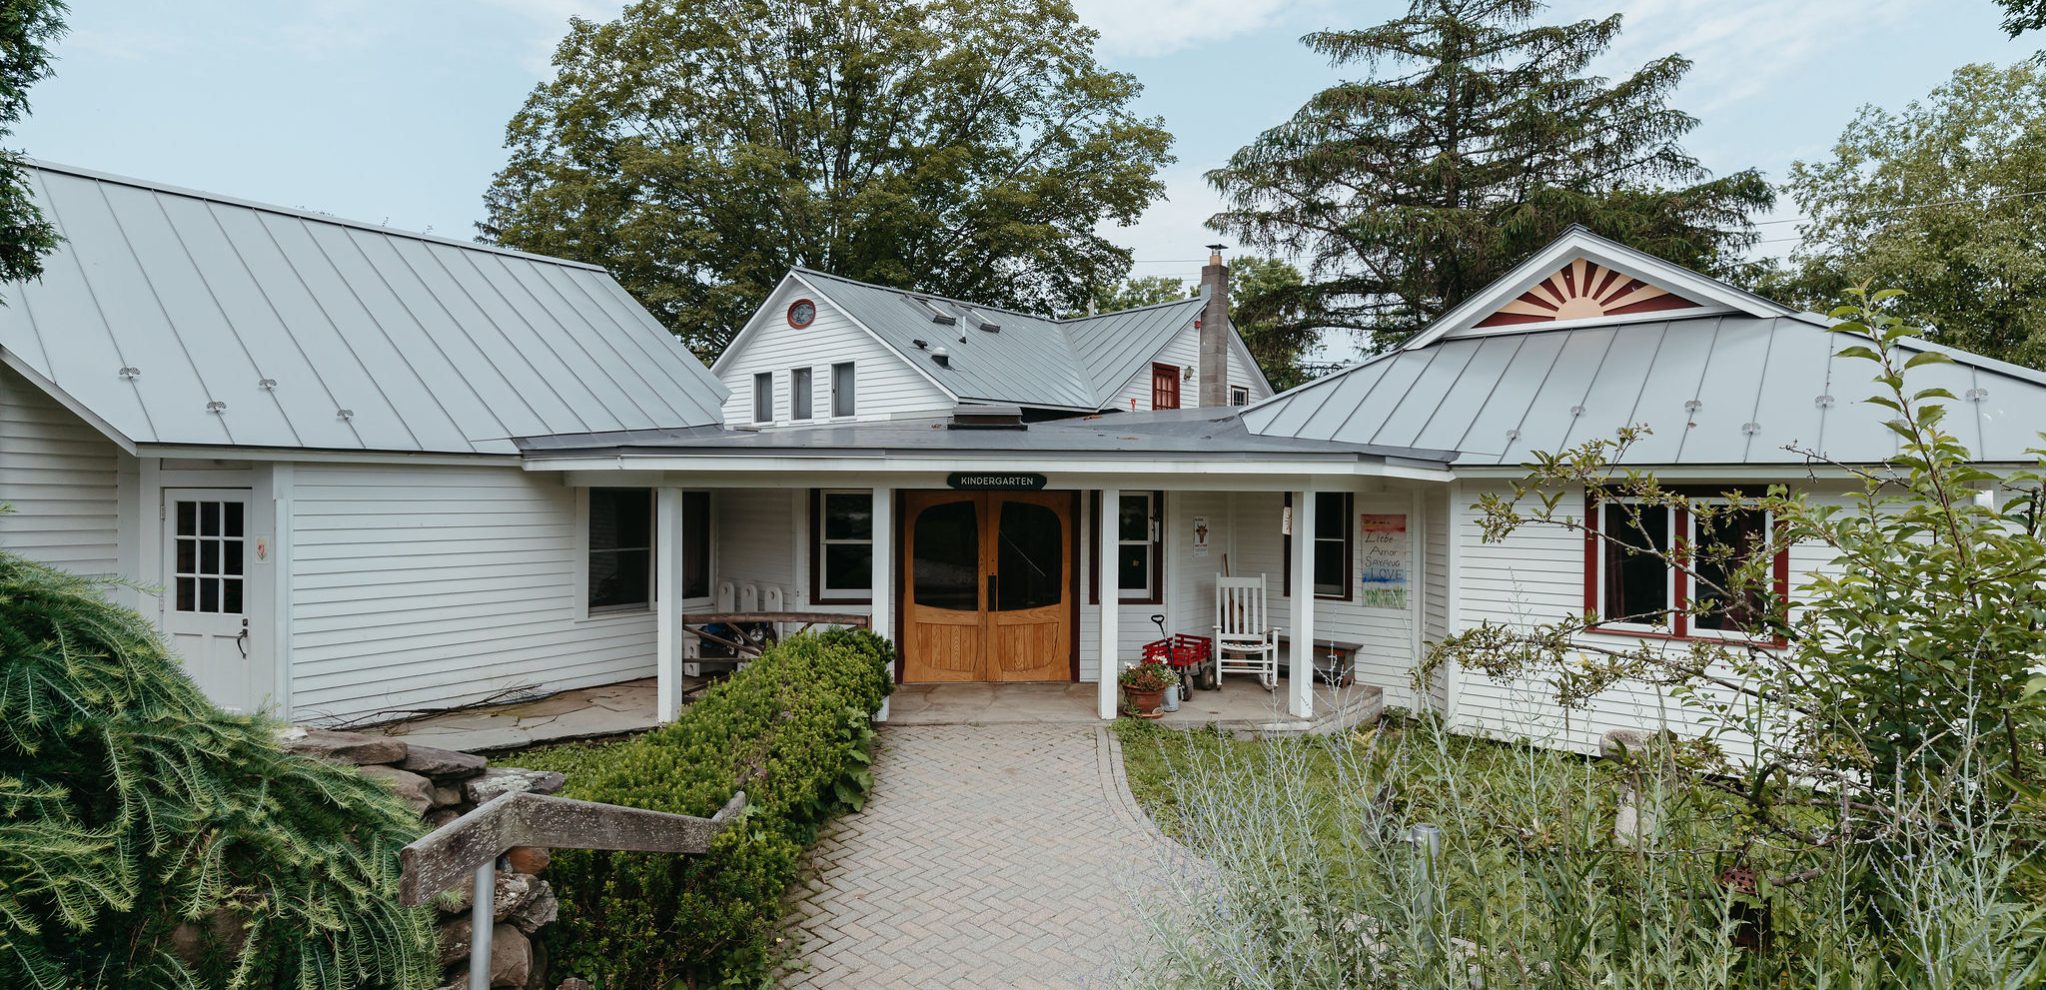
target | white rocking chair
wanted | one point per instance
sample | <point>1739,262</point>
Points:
<point>1244,642</point>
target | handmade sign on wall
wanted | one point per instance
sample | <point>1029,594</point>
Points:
<point>1387,559</point>
<point>1200,536</point>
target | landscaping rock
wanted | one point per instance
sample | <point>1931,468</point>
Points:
<point>453,939</point>
<point>511,957</point>
<point>415,790</point>
<point>343,747</point>
<point>539,909</point>
<point>506,780</point>
<point>528,859</point>
<point>441,816</point>
<point>513,891</point>
<point>447,795</point>
<point>442,764</point>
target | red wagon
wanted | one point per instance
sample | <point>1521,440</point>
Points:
<point>1190,656</point>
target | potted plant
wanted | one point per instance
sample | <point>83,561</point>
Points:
<point>1143,688</point>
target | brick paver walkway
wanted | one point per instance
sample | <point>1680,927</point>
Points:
<point>987,856</point>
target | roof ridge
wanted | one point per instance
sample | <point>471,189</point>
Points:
<point>302,214</point>
<point>807,270</point>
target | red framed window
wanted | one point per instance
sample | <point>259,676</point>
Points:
<point>1164,386</point>
<point>1636,592</point>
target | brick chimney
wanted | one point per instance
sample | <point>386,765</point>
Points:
<point>1215,330</point>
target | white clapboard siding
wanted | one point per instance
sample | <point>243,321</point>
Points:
<point>885,385</point>
<point>60,478</point>
<point>756,539</point>
<point>1182,351</point>
<point>426,587</point>
<point>1240,373</point>
<point>1536,575</point>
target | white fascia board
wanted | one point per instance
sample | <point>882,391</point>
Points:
<point>883,341</point>
<point>1580,243</point>
<point>1787,474</point>
<point>805,472</point>
<point>306,455</point>
<point>63,398</point>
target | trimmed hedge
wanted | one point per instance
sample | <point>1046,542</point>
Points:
<point>793,730</point>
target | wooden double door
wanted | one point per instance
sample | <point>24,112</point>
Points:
<point>989,586</point>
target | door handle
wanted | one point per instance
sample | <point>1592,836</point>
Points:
<point>241,641</point>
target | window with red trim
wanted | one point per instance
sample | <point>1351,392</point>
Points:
<point>1632,586</point>
<point>1164,386</point>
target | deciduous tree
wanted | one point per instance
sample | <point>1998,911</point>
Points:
<point>699,148</point>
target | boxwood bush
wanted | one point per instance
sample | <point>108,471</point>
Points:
<point>793,730</point>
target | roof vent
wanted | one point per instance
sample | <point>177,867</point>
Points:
<point>942,356</point>
<point>986,416</point>
<point>938,316</point>
<point>984,321</point>
<point>921,344</point>
<point>129,374</point>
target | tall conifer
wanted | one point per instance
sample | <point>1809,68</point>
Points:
<point>1476,138</point>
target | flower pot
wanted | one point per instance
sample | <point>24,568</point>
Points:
<point>1144,703</point>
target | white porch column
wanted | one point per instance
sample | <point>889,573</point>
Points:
<point>1300,641</point>
<point>668,532</point>
<point>1111,600</point>
<point>882,621</point>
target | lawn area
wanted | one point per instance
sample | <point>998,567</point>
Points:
<point>1306,869</point>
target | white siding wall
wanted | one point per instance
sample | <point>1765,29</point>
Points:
<point>61,478</point>
<point>1182,351</point>
<point>1536,575</point>
<point>424,587</point>
<point>885,385</point>
<point>1241,374</point>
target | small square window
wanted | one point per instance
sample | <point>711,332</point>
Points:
<point>1239,395</point>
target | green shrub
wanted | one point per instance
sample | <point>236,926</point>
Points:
<point>793,731</point>
<point>150,840</point>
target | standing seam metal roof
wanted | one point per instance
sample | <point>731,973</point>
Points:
<point>1031,360</point>
<point>1713,390</point>
<point>185,318</point>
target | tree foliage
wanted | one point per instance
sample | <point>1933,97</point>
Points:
<point>699,148</point>
<point>1908,663</point>
<point>1264,296</point>
<point>1143,290</point>
<point>1476,139</point>
<point>1943,200</point>
<point>27,27</point>
<point>150,840</point>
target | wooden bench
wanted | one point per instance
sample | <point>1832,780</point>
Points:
<point>742,636</point>
<point>1324,671</point>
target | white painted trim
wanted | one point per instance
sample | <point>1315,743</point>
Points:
<point>62,398</point>
<point>782,470</point>
<point>668,530</point>
<point>1417,587</point>
<point>1300,635</point>
<point>282,482</point>
<point>1453,588</point>
<point>1108,614</point>
<point>1657,316</point>
<point>1578,242</point>
<point>310,456</point>
<point>882,613</point>
<point>149,571</point>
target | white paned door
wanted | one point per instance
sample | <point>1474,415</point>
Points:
<point>206,554</point>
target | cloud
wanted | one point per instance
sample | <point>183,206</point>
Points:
<point>1146,28</point>
<point>549,19</point>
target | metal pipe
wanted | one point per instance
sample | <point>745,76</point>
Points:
<point>481,911</point>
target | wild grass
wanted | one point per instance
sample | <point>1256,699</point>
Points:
<point>1303,876</point>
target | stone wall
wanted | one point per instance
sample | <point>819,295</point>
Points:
<point>442,785</point>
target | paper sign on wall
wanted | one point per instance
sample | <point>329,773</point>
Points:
<point>1387,559</point>
<point>1200,536</point>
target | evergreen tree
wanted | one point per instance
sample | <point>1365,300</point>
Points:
<point>1265,306</point>
<point>150,841</point>
<point>26,29</point>
<point>1476,140</point>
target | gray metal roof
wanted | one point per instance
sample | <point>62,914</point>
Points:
<point>1212,433</point>
<point>1713,390</point>
<point>179,317</point>
<point>1062,364</point>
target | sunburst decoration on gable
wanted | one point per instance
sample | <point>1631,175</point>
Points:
<point>1584,290</point>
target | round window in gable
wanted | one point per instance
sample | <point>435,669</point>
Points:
<point>802,313</point>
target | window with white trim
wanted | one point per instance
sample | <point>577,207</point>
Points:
<point>763,397</point>
<point>843,557</point>
<point>619,559</point>
<point>799,393</point>
<point>842,396</point>
<point>1137,538</point>
<point>1709,570</point>
<point>1239,395</point>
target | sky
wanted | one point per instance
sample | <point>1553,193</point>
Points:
<point>393,111</point>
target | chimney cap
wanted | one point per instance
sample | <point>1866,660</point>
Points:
<point>1215,253</point>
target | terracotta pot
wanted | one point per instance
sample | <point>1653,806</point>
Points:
<point>1145,703</point>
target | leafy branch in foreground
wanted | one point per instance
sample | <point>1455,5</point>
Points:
<point>1909,651</point>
